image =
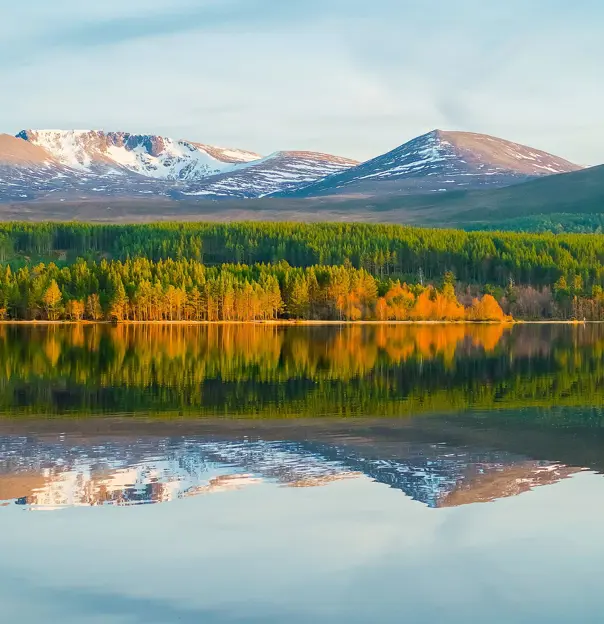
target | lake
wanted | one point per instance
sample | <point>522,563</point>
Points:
<point>328,474</point>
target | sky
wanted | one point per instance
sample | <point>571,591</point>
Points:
<point>354,78</point>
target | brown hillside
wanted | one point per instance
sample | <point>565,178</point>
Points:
<point>14,151</point>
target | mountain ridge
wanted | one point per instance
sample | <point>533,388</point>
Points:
<point>149,155</point>
<point>281,171</point>
<point>83,164</point>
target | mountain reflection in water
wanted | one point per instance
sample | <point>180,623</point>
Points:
<point>51,471</point>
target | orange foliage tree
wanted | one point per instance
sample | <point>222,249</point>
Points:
<point>486,309</point>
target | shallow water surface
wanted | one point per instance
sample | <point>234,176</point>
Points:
<point>330,475</point>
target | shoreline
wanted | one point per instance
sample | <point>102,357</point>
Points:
<point>294,323</point>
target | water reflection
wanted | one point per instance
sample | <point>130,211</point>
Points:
<point>53,471</point>
<point>61,473</point>
<point>274,371</point>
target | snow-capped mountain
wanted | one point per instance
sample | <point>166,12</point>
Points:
<point>30,172</point>
<point>281,171</point>
<point>83,164</point>
<point>147,155</point>
<point>442,161</point>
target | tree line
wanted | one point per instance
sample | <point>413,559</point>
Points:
<point>140,289</point>
<point>386,251</point>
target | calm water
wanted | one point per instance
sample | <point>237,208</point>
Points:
<point>303,474</point>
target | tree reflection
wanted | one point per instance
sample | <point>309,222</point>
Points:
<point>296,370</point>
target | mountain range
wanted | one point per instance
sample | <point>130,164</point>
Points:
<point>64,165</point>
<point>37,164</point>
<point>440,177</point>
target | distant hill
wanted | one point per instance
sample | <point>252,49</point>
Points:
<point>579,192</point>
<point>576,193</point>
<point>25,169</point>
<point>439,162</point>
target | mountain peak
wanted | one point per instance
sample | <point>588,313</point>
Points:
<point>443,160</point>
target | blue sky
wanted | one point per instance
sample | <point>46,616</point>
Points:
<point>351,77</point>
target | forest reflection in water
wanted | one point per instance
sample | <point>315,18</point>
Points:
<point>291,371</point>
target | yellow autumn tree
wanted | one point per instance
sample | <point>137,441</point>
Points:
<point>52,301</point>
<point>74,310</point>
<point>94,311</point>
<point>381,309</point>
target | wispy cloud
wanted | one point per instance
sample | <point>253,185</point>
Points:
<point>109,28</point>
<point>179,18</point>
<point>346,76</point>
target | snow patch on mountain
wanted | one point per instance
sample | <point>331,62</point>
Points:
<point>280,171</point>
